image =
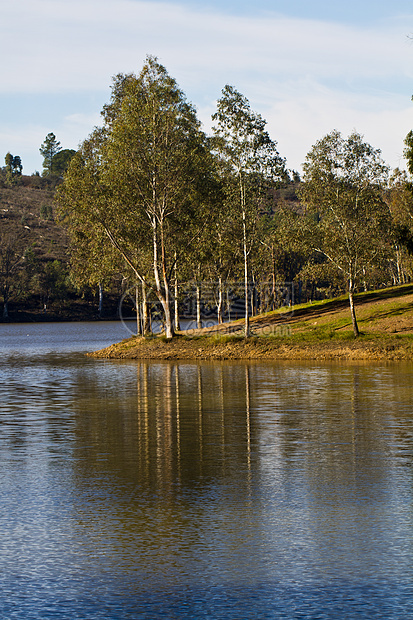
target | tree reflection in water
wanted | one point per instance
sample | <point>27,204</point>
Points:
<point>247,473</point>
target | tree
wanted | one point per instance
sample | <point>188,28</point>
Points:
<point>9,161</point>
<point>12,249</point>
<point>251,160</point>
<point>408,151</point>
<point>143,179</point>
<point>280,254</point>
<point>17,165</point>
<point>399,199</point>
<point>48,150</point>
<point>53,282</point>
<point>14,167</point>
<point>9,168</point>
<point>342,189</point>
<point>61,161</point>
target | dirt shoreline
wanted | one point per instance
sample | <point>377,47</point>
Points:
<point>258,348</point>
<point>320,331</point>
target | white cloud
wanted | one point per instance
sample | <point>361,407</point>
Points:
<point>58,45</point>
<point>305,76</point>
<point>297,122</point>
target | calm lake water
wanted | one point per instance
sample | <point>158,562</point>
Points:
<point>200,490</point>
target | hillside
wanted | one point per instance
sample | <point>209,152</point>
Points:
<point>34,259</point>
<point>320,331</point>
<point>30,209</point>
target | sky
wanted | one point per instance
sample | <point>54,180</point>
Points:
<point>306,67</point>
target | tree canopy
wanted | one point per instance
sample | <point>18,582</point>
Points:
<point>246,150</point>
<point>342,188</point>
<point>144,178</point>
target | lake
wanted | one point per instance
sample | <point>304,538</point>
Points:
<point>200,490</point>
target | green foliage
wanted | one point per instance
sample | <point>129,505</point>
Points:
<point>61,161</point>
<point>9,161</point>
<point>12,248</point>
<point>49,149</point>
<point>250,167</point>
<point>142,182</point>
<point>13,168</point>
<point>343,186</point>
<point>408,151</point>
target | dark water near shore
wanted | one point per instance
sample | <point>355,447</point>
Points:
<point>210,490</point>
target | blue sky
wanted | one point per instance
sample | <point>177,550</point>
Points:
<point>307,67</point>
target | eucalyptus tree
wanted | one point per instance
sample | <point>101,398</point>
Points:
<point>343,185</point>
<point>408,151</point>
<point>225,258</point>
<point>103,242</point>
<point>399,199</point>
<point>143,177</point>
<point>251,163</point>
<point>280,254</point>
<point>84,208</point>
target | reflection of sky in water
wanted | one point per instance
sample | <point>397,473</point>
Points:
<point>43,337</point>
<point>65,337</point>
<point>211,490</point>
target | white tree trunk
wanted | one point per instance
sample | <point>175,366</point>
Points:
<point>163,295</point>
<point>198,305</point>
<point>220,301</point>
<point>244,235</point>
<point>146,322</point>
<point>352,308</point>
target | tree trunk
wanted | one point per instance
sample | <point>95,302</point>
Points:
<point>176,304</point>
<point>6,310</point>
<point>400,275</point>
<point>244,238</point>
<point>352,308</point>
<point>169,328</point>
<point>163,295</point>
<point>247,317</point>
<point>146,322</point>
<point>220,301</point>
<point>100,307</point>
<point>198,305</point>
<point>169,331</point>
<point>273,277</point>
<point>138,313</point>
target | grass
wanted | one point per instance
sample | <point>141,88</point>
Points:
<point>320,330</point>
<point>224,338</point>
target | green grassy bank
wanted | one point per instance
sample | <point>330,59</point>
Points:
<point>317,331</point>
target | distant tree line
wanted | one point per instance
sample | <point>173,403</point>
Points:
<point>55,163</point>
<point>24,273</point>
